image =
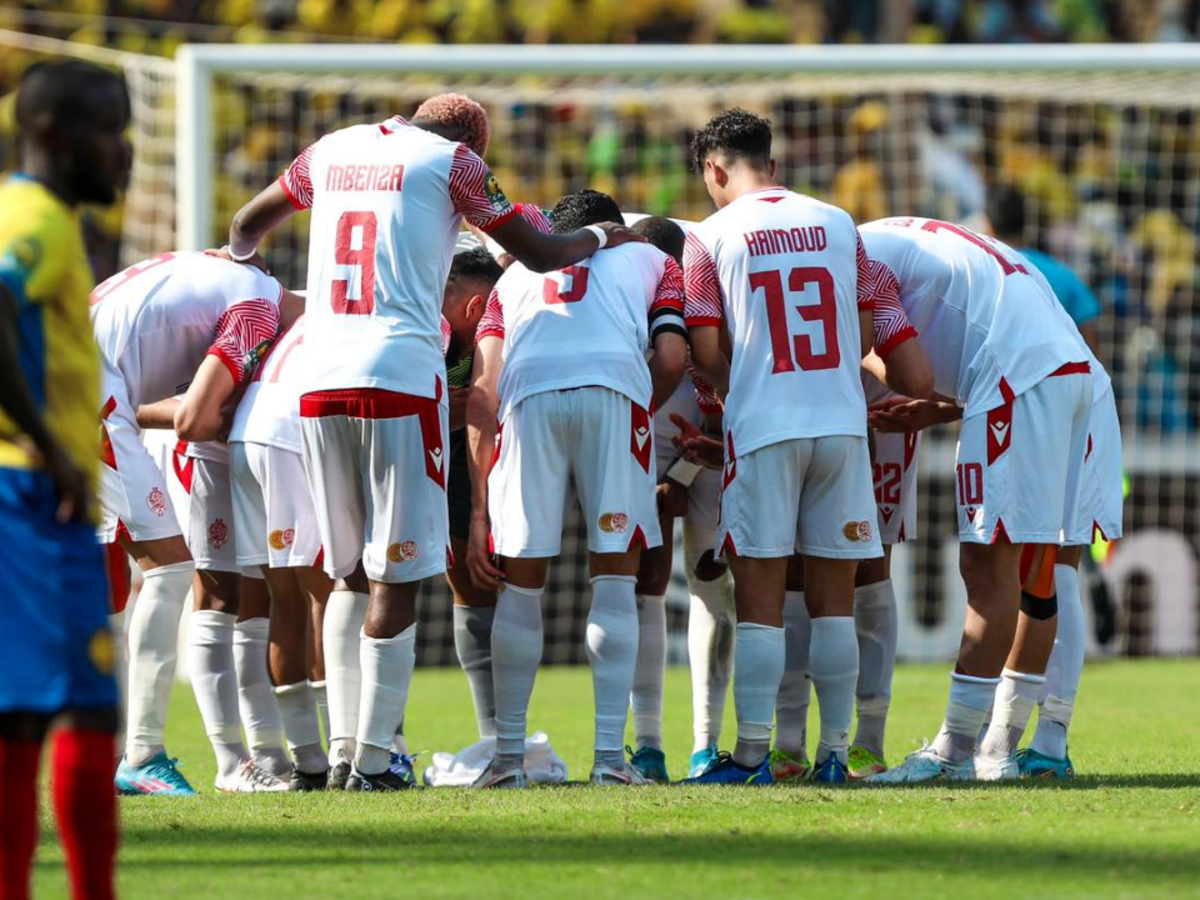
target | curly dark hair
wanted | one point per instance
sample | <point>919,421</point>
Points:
<point>583,207</point>
<point>476,264</point>
<point>664,234</point>
<point>735,133</point>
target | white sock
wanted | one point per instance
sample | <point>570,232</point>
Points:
<point>345,614</point>
<point>152,639</point>
<point>795,688</point>
<point>256,696</point>
<point>758,669</point>
<point>612,649</point>
<point>877,629</point>
<point>834,668</point>
<point>322,700</point>
<point>214,681</point>
<point>647,696</point>
<point>1015,698</point>
<point>516,654</point>
<point>970,701</point>
<point>387,667</point>
<point>710,638</point>
<point>399,741</point>
<point>298,710</point>
<point>473,643</point>
<point>1065,668</point>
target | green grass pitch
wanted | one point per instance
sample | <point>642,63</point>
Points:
<point>1129,826</point>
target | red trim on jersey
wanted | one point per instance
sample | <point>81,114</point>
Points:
<point>234,366</point>
<point>866,299</point>
<point>496,223</point>
<point>320,560</point>
<point>491,323</point>
<point>1096,529</point>
<point>1006,391</point>
<point>108,455</point>
<point>1088,454</point>
<point>288,192</point>
<point>535,216</point>
<point>638,538</point>
<point>1001,533</point>
<point>730,461</point>
<point>474,193</point>
<point>728,548</point>
<point>1074,368</point>
<point>184,472</point>
<point>702,285</point>
<point>999,431</point>
<point>900,538</point>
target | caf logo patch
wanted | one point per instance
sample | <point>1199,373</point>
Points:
<point>281,539</point>
<point>157,501</point>
<point>218,534</point>
<point>613,522</point>
<point>406,551</point>
<point>495,196</point>
<point>857,531</point>
<point>101,651</point>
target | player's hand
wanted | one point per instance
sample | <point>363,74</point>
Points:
<point>225,253</point>
<point>672,499</point>
<point>620,234</point>
<point>483,570</point>
<point>458,407</point>
<point>890,416</point>
<point>70,485</point>
<point>695,446</point>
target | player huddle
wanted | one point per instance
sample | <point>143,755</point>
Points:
<point>434,399</point>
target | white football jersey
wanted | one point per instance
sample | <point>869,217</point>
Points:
<point>269,412</point>
<point>156,321</point>
<point>387,202</point>
<point>588,324</point>
<point>991,328</point>
<point>785,275</point>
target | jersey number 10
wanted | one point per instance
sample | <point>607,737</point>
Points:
<point>825,312</point>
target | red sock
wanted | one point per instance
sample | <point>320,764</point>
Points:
<point>85,803</point>
<point>19,822</point>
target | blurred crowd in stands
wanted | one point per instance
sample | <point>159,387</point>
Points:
<point>1113,189</point>
<point>157,26</point>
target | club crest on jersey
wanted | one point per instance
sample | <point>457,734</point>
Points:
<point>281,538</point>
<point>218,534</point>
<point>256,355</point>
<point>857,531</point>
<point>495,196</point>
<point>404,551</point>
<point>613,522</point>
<point>156,500</point>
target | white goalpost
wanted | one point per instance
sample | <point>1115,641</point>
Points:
<point>1103,140</point>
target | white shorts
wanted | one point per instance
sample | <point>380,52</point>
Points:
<point>134,495</point>
<point>1099,512</point>
<point>376,462</point>
<point>1019,465</point>
<point>704,493</point>
<point>807,495</point>
<point>598,438</point>
<point>275,521</point>
<point>895,472</point>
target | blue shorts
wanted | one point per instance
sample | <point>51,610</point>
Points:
<point>56,652</point>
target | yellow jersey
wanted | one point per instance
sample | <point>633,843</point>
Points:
<point>44,265</point>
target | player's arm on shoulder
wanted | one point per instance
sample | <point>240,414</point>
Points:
<point>483,404</point>
<point>478,198</point>
<point>200,414</point>
<point>288,194</point>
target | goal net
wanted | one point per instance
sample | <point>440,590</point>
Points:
<point>1105,147</point>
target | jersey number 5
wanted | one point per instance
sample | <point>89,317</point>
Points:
<point>346,254</point>
<point>825,312</point>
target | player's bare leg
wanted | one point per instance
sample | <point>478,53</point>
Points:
<point>646,698</point>
<point>388,654</point>
<point>1025,668</point>
<point>789,758</point>
<point>876,625</point>
<point>474,614</point>
<point>992,576</point>
<point>288,664</point>
<point>345,613</point>
<point>759,589</point>
<point>153,635</point>
<point>256,695</point>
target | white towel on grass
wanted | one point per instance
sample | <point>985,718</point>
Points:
<point>462,769</point>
